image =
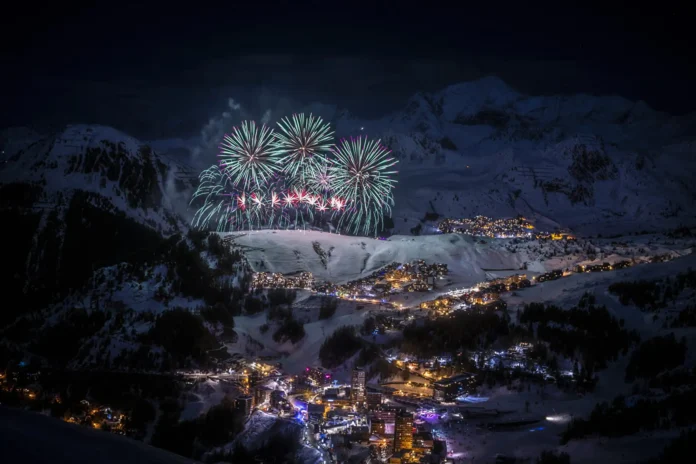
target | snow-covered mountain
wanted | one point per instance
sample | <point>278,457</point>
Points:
<point>594,164</point>
<point>80,196</point>
<point>94,217</point>
<point>125,173</point>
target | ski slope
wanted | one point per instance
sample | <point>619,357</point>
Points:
<point>349,258</point>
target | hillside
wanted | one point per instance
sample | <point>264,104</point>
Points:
<point>341,258</point>
<point>80,199</point>
<point>36,438</point>
<point>593,164</point>
<point>103,274</point>
<point>169,309</point>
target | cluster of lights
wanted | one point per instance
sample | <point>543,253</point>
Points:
<point>289,199</point>
<point>483,226</point>
<point>482,294</point>
<point>305,280</point>
<point>393,278</point>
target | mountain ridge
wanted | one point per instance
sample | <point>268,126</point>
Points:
<point>80,197</point>
<point>594,164</point>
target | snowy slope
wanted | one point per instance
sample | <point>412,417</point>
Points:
<point>469,260</point>
<point>288,251</point>
<point>548,401</point>
<point>566,292</point>
<point>261,427</point>
<point>35,438</point>
<point>295,358</point>
<point>82,197</point>
<point>127,175</point>
<point>594,164</point>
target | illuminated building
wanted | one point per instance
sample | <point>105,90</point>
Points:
<point>316,411</point>
<point>277,397</point>
<point>374,400</point>
<point>377,427</point>
<point>317,376</point>
<point>423,442</point>
<point>303,280</point>
<point>397,458</point>
<point>403,432</point>
<point>357,386</point>
<point>482,226</point>
<point>553,275</point>
<point>449,389</point>
<point>388,416</point>
<point>244,404</point>
<point>261,395</point>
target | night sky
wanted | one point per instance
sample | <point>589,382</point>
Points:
<point>163,71</point>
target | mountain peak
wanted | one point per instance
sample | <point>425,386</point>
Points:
<point>98,160</point>
<point>471,97</point>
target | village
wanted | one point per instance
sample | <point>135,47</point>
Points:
<point>22,386</point>
<point>483,226</point>
<point>401,414</point>
<point>394,278</point>
<point>418,276</point>
<point>398,418</point>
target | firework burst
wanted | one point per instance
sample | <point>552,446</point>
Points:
<point>295,178</point>
<point>319,180</point>
<point>217,205</point>
<point>247,155</point>
<point>303,142</point>
<point>363,175</point>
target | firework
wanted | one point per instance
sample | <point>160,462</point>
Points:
<point>362,181</point>
<point>294,178</point>
<point>217,205</point>
<point>303,142</point>
<point>319,180</point>
<point>247,155</point>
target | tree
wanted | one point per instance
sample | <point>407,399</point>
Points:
<point>253,305</point>
<point>654,356</point>
<point>369,326</point>
<point>338,347</point>
<point>290,330</point>
<point>328,307</point>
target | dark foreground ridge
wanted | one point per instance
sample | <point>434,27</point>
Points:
<point>33,438</point>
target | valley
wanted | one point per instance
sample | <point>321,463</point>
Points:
<point>532,293</point>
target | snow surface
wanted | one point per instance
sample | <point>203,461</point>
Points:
<point>289,251</point>
<point>262,426</point>
<point>34,438</point>
<point>206,394</point>
<point>493,165</point>
<point>469,440</point>
<point>58,163</point>
<point>567,291</point>
<point>295,358</point>
<point>470,260</point>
